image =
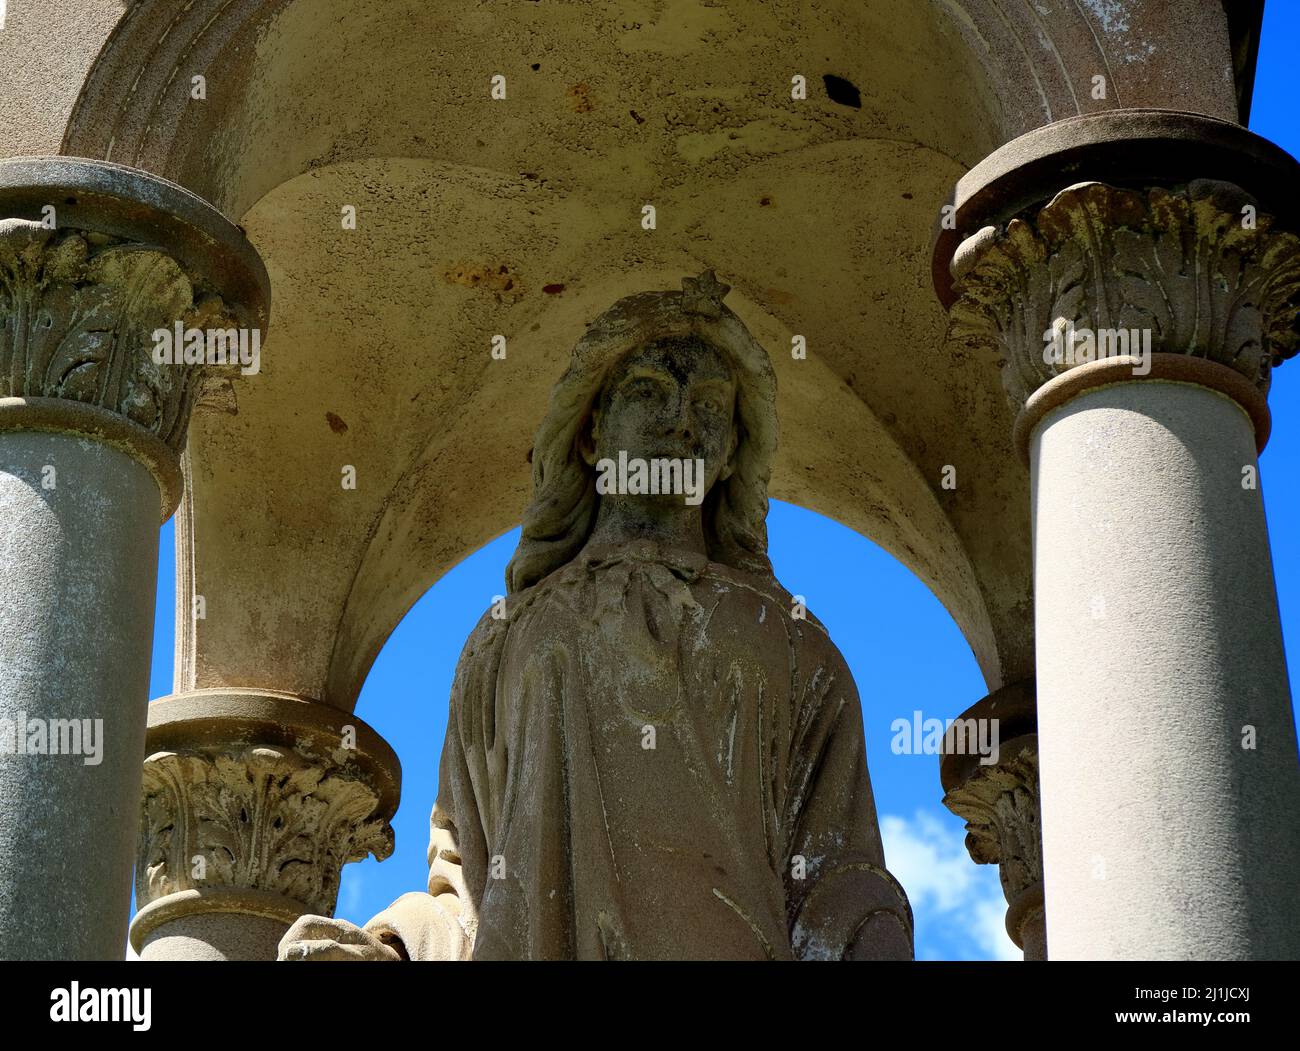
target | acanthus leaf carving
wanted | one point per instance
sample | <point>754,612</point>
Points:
<point>1000,805</point>
<point>265,819</point>
<point>77,314</point>
<point>1180,264</point>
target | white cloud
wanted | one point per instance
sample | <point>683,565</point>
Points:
<point>350,887</point>
<point>990,929</point>
<point>959,907</point>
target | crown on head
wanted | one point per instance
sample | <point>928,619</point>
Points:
<point>703,295</point>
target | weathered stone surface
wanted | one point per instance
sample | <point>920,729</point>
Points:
<point>999,802</point>
<point>265,819</point>
<point>817,211</point>
<point>78,569</point>
<point>94,258</point>
<point>1195,267</point>
<point>253,803</point>
<point>77,313</point>
<point>1000,806</point>
<point>518,217</point>
<point>1167,747</point>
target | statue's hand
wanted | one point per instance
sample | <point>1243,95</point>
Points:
<point>321,938</point>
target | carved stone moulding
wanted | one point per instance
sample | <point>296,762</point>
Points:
<point>1180,368</point>
<point>1127,148</point>
<point>253,802</point>
<point>1000,804</point>
<point>1193,272</point>
<point>1145,234</point>
<point>94,258</point>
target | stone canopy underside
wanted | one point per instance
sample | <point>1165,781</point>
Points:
<point>522,217</point>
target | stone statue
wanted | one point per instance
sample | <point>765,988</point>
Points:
<point>652,751</point>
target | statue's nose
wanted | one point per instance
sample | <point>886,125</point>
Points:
<point>680,422</point>
<point>684,424</point>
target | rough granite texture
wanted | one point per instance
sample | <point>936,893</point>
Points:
<point>78,573</point>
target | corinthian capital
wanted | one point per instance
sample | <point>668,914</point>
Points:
<point>1000,806</point>
<point>263,819</point>
<point>1193,271</point>
<point>77,313</point>
<point>96,258</point>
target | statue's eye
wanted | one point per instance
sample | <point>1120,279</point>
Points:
<point>644,387</point>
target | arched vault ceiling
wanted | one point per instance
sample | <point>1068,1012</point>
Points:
<point>379,358</point>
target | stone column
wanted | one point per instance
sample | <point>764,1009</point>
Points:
<point>1170,782</point>
<point>999,802</point>
<point>93,259</point>
<point>253,802</point>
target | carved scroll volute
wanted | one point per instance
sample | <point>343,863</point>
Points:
<point>265,819</point>
<point>1196,267</point>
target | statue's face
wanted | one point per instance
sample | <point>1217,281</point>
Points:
<point>672,399</point>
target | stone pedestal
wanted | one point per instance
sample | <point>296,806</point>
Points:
<point>1137,329</point>
<point>253,802</point>
<point>93,259</point>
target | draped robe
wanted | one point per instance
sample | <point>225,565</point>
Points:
<point>651,756</point>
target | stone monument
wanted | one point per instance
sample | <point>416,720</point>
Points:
<point>652,750</point>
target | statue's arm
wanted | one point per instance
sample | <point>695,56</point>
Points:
<point>436,925</point>
<point>433,925</point>
<point>439,924</point>
<point>842,902</point>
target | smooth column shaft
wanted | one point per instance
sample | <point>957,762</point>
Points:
<point>1170,785</point>
<point>216,936</point>
<point>78,569</point>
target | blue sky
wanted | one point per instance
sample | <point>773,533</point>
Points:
<point>903,648</point>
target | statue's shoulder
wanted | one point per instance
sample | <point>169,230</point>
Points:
<point>809,638</point>
<point>493,627</point>
<point>482,649</point>
<point>765,588</point>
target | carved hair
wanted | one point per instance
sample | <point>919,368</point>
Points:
<point>562,512</point>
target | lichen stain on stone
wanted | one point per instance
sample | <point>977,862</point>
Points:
<point>490,277</point>
<point>580,98</point>
<point>1110,14</point>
